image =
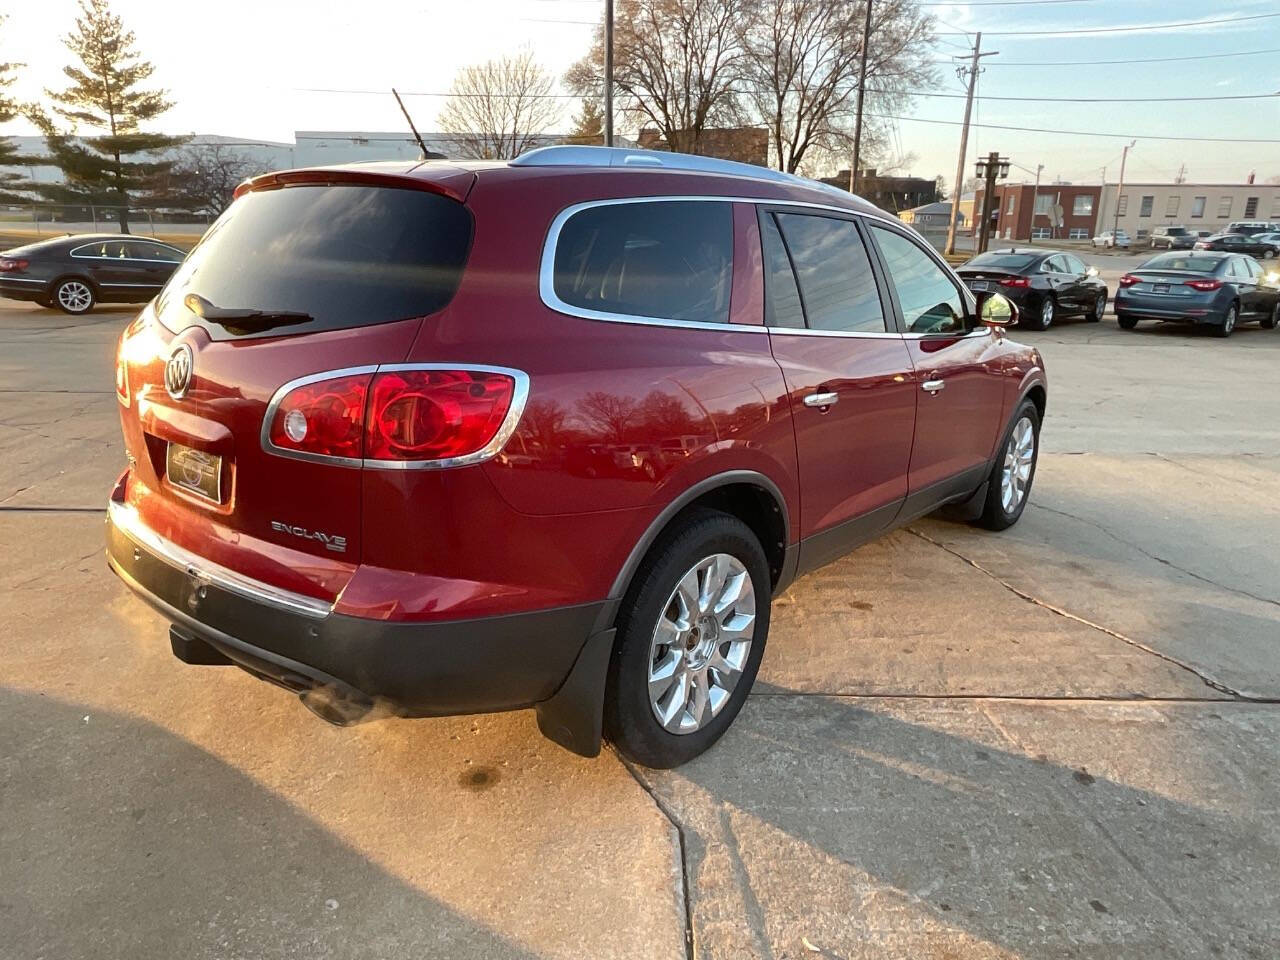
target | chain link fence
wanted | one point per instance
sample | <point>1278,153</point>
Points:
<point>54,219</point>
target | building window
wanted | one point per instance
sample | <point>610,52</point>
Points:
<point>1251,208</point>
<point>1082,205</point>
<point>1040,233</point>
<point>1012,198</point>
<point>1143,234</point>
<point>1197,207</point>
<point>1224,207</point>
<point>1122,205</point>
<point>1171,206</point>
<point>1275,207</point>
<point>1044,204</point>
<point>1148,203</point>
<point>1078,233</point>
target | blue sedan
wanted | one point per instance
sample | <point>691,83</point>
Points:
<point>1202,287</point>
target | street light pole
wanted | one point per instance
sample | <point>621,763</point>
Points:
<point>608,73</point>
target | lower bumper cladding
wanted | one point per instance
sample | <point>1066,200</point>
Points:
<point>349,668</point>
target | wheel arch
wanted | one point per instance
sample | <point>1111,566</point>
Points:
<point>748,495</point>
<point>68,275</point>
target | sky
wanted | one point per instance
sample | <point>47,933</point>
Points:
<point>255,69</point>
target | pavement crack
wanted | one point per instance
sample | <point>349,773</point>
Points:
<point>1206,678</point>
<point>1155,557</point>
<point>15,493</point>
<point>685,881</point>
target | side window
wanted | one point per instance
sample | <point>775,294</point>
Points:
<point>1236,268</point>
<point>1075,265</point>
<point>672,260</point>
<point>1253,266</point>
<point>137,250</point>
<point>930,301</point>
<point>1056,265</point>
<point>781,297</point>
<point>837,286</point>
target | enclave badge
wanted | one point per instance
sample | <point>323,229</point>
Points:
<point>177,372</point>
<point>331,541</point>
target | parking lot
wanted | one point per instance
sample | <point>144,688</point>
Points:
<point>1059,741</point>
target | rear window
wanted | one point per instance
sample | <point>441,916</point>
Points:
<point>1180,261</point>
<point>1002,261</point>
<point>347,255</point>
<point>670,260</point>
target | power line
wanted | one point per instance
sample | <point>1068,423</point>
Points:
<point>1089,63</point>
<point>999,3</point>
<point>1073,133</point>
<point>1134,29</point>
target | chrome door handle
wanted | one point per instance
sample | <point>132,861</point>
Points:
<point>821,399</point>
<point>933,386</point>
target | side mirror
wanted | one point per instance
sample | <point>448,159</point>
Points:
<point>997,311</point>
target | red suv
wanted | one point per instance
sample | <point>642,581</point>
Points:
<point>443,438</point>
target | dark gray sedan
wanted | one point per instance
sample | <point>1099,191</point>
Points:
<point>73,273</point>
<point>1202,287</point>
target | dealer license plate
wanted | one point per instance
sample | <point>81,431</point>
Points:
<point>195,471</point>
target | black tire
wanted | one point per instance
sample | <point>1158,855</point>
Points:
<point>629,719</point>
<point>1272,321</point>
<point>995,516</point>
<point>74,296</point>
<point>1228,324</point>
<point>1099,309</point>
<point>1126,321</point>
<point>1036,319</point>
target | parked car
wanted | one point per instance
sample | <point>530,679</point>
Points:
<point>73,273</point>
<point>1172,238</point>
<point>318,489</point>
<point>1044,284</point>
<point>1249,227</point>
<point>1209,288</point>
<point>1251,244</point>
<point>1109,239</point>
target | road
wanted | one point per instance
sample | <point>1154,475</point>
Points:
<point>1059,741</point>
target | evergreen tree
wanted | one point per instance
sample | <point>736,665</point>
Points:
<point>9,157</point>
<point>588,125</point>
<point>104,95</point>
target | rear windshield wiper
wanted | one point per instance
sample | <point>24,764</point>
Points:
<point>242,319</point>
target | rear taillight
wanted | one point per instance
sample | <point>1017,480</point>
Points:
<point>410,415</point>
<point>1015,282</point>
<point>10,264</point>
<point>323,418</point>
<point>1128,280</point>
<point>1204,284</point>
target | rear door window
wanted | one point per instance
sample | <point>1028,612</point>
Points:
<point>346,255</point>
<point>665,260</point>
<point>837,285</point>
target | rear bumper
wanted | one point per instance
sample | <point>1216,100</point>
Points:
<point>1159,308</point>
<point>410,669</point>
<point>22,289</point>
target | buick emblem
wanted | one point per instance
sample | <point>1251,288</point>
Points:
<point>177,372</point>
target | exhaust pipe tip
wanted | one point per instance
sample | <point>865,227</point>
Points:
<point>334,707</point>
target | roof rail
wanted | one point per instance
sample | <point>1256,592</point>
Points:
<point>569,155</point>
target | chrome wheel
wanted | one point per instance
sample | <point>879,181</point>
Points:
<point>74,296</point>
<point>701,643</point>
<point>1046,313</point>
<point>1019,456</point>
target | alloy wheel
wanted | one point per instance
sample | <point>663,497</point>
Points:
<point>74,296</point>
<point>1019,455</point>
<point>1229,323</point>
<point>701,643</point>
<point>1046,313</point>
<point>1100,307</point>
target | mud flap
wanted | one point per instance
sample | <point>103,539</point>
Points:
<point>573,716</point>
<point>967,509</point>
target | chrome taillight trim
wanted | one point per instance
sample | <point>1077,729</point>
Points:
<point>125,519</point>
<point>519,396</point>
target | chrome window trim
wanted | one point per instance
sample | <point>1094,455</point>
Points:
<point>75,252</point>
<point>546,269</point>
<point>125,519</point>
<point>519,398</point>
<point>104,284</point>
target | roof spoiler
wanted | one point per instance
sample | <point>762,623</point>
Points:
<point>452,182</point>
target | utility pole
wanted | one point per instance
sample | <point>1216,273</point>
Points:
<point>862,91</point>
<point>1035,198</point>
<point>608,73</point>
<point>964,141</point>
<point>1124,155</point>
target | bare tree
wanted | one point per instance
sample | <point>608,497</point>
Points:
<point>203,178</point>
<point>802,60</point>
<point>675,66</point>
<point>499,109</point>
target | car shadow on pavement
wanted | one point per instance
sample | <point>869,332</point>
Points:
<point>953,828</point>
<point>105,854</point>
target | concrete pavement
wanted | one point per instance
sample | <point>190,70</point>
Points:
<point>1057,741</point>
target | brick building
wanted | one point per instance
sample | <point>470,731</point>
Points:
<point>1021,212</point>
<point>894,194</point>
<point>744,144</point>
